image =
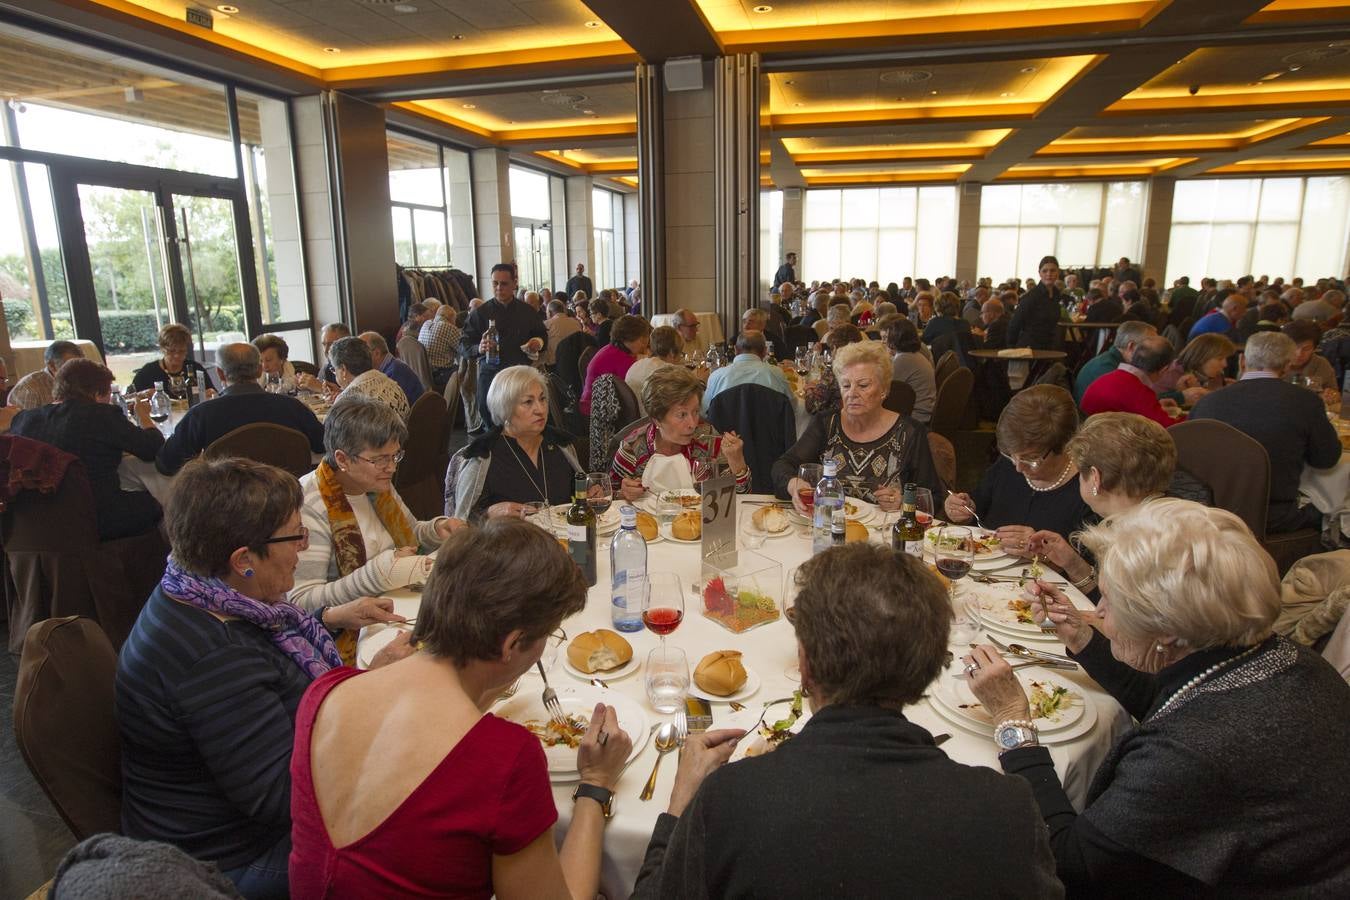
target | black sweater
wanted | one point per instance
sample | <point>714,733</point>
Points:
<point>1003,497</point>
<point>517,322</point>
<point>860,804</point>
<point>240,404</point>
<point>1291,423</point>
<point>1035,320</point>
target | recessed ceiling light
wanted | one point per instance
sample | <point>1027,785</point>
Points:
<point>789,81</point>
<point>332,49</point>
<point>934,93</point>
<point>1006,94</point>
<point>588,112</point>
<point>470,105</point>
<point>592,24</point>
<point>1027,70</point>
<point>404,8</point>
<point>797,104</point>
<point>456,37</point>
<point>227,9</point>
<point>763,9</point>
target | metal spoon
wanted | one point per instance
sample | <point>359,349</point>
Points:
<point>667,739</point>
<point>1028,653</point>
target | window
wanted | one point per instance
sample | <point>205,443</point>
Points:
<point>878,233</point>
<point>417,195</point>
<point>1079,223</point>
<point>771,248</point>
<point>1227,228</point>
<point>264,131</point>
<point>607,222</point>
<point>530,198</point>
<point>32,276</point>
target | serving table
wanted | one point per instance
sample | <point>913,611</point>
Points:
<point>769,651</point>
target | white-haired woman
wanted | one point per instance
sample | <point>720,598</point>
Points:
<point>523,460</point>
<point>879,448</point>
<point>1236,780</point>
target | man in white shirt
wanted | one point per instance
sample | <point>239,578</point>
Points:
<point>748,367</point>
<point>559,325</point>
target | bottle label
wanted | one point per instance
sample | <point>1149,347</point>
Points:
<point>577,533</point>
<point>914,548</point>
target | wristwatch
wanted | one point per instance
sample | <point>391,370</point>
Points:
<point>600,795</point>
<point>1015,733</point>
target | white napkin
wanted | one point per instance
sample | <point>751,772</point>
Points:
<point>667,473</point>
<point>408,570</point>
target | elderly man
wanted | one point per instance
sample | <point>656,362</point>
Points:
<point>418,314</point>
<point>440,337</point>
<point>1289,421</point>
<point>1222,320</point>
<point>580,282</point>
<point>242,402</point>
<point>356,374</point>
<point>558,325</point>
<point>748,367</point>
<point>971,312</point>
<point>817,304</point>
<point>687,324</point>
<point>332,333</point>
<point>35,388</point>
<point>1323,309</point>
<point>535,301</point>
<point>397,369</point>
<point>1128,336</point>
<point>759,320</point>
<point>993,329</point>
<point>1130,388</point>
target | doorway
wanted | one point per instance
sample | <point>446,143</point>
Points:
<point>534,255</point>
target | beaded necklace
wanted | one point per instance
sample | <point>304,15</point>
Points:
<point>1058,483</point>
<point>1230,661</point>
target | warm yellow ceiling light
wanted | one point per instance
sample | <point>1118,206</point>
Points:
<point>1118,140</point>
<point>1222,77</point>
<point>227,9</point>
<point>1286,164</point>
<point>1340,140</point>
<point>1289,12</point>
<point>1139,167</point>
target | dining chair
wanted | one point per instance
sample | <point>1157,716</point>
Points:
<point>420,477</point>
<point>950,406</point>
<point>265,442</point>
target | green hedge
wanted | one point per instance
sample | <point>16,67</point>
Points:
<point>18,316</point>
<point>129,330</point>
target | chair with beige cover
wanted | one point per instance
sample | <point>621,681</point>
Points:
<point>265,442</point>
<point>64,724</point>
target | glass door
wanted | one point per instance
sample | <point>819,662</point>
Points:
<point>534,256</point>
<point>208,254</point>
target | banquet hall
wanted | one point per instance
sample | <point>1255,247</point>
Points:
<point>924,422</point>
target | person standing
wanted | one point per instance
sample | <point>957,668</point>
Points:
<point>520,331</point>
<point>1033,324</point>
<point>579,282</point>
<point>787,272</point>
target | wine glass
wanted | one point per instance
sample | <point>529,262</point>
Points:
<point>923,506</point>
<point>663,605</point>
<point>599,492</point>
<point>794,671</point>
<point>802,361</point>
<point>810,473</point>
<point>530,511</point>
<point>954,551</point>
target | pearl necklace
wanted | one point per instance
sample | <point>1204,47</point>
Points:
<point>1058,483</point>
<point>1232,660</point>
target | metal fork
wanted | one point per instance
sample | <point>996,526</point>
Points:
<point>971,510</point>
<point>551,699</point>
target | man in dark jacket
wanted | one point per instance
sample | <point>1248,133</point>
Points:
<point>243,402</point>
<point>580,282</point>
<point>518,328</point>
<point>787,271</point>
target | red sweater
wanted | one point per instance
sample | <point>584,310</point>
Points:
<point>1122,391</point>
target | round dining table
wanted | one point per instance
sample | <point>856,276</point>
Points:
<point>769,653</point>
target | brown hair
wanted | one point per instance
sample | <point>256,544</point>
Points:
<point>81,380</point>
<point>665,341</point>
<point>668,386</point>
<point>490,581</point>
<point>628,328</point>
<point>175,335</point>
<point>1301,330</point>
<point>265,342</point>
<point>902,336</point>
<point>1041,418</point>
<point>1202,348</point>
<point>1134,455</point>
<point>842,336</point>
<point>873,624</point>
<point>217,506</point>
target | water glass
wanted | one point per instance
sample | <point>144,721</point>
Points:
<point>667,679</point>
<point>965,618</point>
<point>552,644</point>
<point>667,508</point>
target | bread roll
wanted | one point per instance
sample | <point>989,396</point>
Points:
<point>688,526</point>
<point>646,525</point>
<point>770,519</point>
<point>855,531</point>
<point>601,650</point>
<point>720,673</point>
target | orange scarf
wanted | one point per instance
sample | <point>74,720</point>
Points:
<point>348,545</point>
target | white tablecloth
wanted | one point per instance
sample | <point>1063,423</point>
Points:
<point>709,332</point>
<point>769,651</point>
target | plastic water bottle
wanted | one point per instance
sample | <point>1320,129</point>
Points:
<point>628,568</point>
<point>829,503</point>
<point>159,404</point>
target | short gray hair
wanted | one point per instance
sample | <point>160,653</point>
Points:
<point>885,308</point>
<point>353,354</point>
<point>837,314</point>
<point>1132,332</point>
<point>867,353</point>
<point>241,362</point>
<point>375,341</point>
<point>357,424</point>
<point>1269,351</point>
<point>509,386</point>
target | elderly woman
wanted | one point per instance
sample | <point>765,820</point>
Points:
<point>405,783</point>
<point>521,461</point>
<point>175,369</point>
<point>1123,461</point>
<point>676,448</point>
<point>908,364</point>
<point>630,338</point>
<point>1236,780</point>
<point>604,314</point>
<point>667,349</point>
<point>921,312</point>
<point>1034,484</point>
<point>358,525</point>
<point>1198,368</point>
<point>209,680</point>
<point>84,422</point>
<point>354,366</point>
<point>948,319</point>
<point>822,395</point>
<point>877,449</point>
<point>871,628</point>
<point>276,367</point>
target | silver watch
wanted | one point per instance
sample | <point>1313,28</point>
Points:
<point>1013,734</point>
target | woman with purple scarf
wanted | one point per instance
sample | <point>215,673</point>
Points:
<point>210,678</point>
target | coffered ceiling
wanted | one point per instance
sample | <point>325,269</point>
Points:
<point>858,91</point>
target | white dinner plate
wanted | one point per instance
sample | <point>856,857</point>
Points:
<point>606,523</point>
<point>747,690</point>
<point>1084,724</point>
<point>952,691</point>
<point>622,671</point>
<point>747,718</point>
<point>930,545</point>
<point>995,613</point>
<point>665,532</point>
<point>528,706</point>
<point>862,512</point>
<point>747,518</point>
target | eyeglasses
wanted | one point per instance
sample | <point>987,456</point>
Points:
<point>1032,464</point>
<point>381,462</point>
<point>302,537</point>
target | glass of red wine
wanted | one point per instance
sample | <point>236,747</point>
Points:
<point>810,474</point>
<point>663,605</point>
<point>599,492</point>
<point>954,551</point>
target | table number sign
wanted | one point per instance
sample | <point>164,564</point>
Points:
<point>719,514</point>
